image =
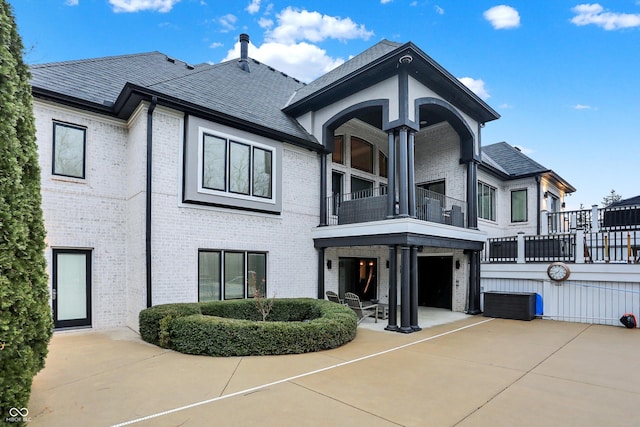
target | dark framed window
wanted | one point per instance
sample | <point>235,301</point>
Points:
<point>486,201</point>
<point>383,165</point>
<point>234,275</point>
<point>231,274</point>
<point>256,274</point>
<point>338,149</point>
<point>214,160</point>
<point>69,150</point>
<point>519,206</point>
<point>262,173</point>
<point>337,190</point>
<point>209,273</point>
<point>237,167</point>
<point>361,155</point>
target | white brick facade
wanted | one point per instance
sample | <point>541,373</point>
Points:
<point>105,213</point>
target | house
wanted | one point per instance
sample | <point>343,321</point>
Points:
<point>164,181</point>
<point>514,189</point>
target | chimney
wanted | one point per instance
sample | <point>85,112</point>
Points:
<point>244,49</point>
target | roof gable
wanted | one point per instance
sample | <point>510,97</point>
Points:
<point>380,62</point>
<point>356,63</point>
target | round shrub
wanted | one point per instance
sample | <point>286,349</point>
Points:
<point>235,328</point>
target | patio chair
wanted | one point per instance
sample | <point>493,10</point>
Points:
<point>353,302</point>
<point>333,297</point>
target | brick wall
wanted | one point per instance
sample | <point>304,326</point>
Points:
<point>89,213</point>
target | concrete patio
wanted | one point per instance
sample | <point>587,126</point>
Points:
<point>470,371</point>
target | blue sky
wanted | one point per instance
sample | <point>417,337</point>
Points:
<point>562,74</point>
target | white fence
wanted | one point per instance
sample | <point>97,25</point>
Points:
<point>594,293</point>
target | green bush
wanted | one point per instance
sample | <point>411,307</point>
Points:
<point>153,324</point>
<point>234,328</point>
<point>25,316</point>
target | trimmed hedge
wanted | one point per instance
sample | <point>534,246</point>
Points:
<point>235,328</point>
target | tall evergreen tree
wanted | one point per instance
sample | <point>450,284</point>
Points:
<point>25,315</point>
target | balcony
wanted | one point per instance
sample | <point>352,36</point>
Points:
<point>371,205</point>
<point>361,219</point>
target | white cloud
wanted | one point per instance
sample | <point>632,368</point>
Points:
<point>297,25</point>
<point>291,43</point>
<point>583,107</point>
<point>505,106</point>
<point>476,86</point>
<point>215,45</point>
<point>385,1</point>
<point>595,14</point>
<point>228,22</point>
<point>439,10</point>
<point>265,22</point>
<point>254,7</point>
<point>502,17</point>
<point>72,2</point>
<point>303,61</point>
<point>140,5</point>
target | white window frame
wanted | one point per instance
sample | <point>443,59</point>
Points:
<point>227,192</point>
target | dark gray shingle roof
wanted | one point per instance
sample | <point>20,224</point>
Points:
<point>256,97</point>
<point>101,79</point>
<point>510,160</point>
<point>632,201</point>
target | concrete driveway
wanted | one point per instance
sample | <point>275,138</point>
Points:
<point>472,372</point>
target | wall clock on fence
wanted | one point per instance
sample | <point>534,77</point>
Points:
<point>558,271</point>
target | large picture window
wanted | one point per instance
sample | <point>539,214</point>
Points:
<point>236,167</point>
<point>69,144</point>
<point>361,155</point>
<point>486,201</point>
<point>519,206</point>
<point>231,274</point>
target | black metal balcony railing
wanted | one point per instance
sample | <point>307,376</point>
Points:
<point>371,205</point>
<point>595,219</point>
<point>600,247</point>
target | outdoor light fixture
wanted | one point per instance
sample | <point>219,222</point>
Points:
<point>457,264</point>
<point>387,263</point>
<point>329,264</point>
